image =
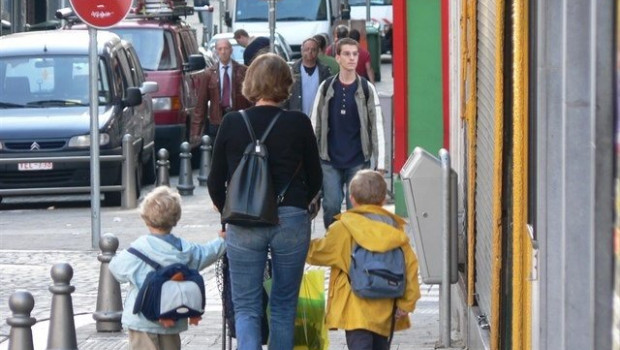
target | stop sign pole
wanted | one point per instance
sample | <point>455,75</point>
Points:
<point>97,14</point>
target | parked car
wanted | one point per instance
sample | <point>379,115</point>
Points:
<point>168,50</point>
<point>281,47</point>
<point>44,109</point>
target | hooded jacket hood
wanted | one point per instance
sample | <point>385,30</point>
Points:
<point>375,228</point>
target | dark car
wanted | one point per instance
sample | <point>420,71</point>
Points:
<point>44,109</point>
<point>169,54</point>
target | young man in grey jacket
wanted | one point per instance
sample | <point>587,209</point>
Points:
<point>348,123</point>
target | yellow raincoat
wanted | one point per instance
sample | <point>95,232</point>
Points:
<point>344,309</point>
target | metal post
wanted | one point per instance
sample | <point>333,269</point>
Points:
<point>205,160</point>
<point>163,167</point>
<point>61,334</point>
<point>109,303</point>
<point>444,313</point>
<point>272,24</point>
<point>128,198</point>
<point>95,182</point>
<point>222,12</point>
<point>186,181</point>
<point>21,304</point>
<point>367,11</point>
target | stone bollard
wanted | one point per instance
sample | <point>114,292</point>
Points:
<point>109,303</point>
<point>163,167</point>
<point>186,181</point>
<point>61,334</point>
<point>20,338</point>
<point>205,160</point>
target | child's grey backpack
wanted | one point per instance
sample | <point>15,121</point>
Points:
<point>376,275</point>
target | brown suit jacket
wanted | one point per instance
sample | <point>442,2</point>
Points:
<point>210,101</point>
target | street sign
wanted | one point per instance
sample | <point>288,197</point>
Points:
<point>101,13</point>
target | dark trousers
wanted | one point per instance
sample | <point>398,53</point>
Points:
<point>362,339</point>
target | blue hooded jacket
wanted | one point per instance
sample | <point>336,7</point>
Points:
<point>126,267</point>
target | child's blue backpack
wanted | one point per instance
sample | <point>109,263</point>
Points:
<point>164,296</point>
<point>376,275</point>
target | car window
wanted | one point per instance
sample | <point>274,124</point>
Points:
<point>188,44</point>
<point>134,65</point>
<point>128,76</point>
<point>61,80</point>
<point>155,47</point>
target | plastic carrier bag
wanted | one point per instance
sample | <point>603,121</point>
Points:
<point>310,330</point>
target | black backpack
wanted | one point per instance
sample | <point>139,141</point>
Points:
<point>250,198</point>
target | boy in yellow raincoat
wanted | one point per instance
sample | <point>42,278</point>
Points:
<point>367,322</point>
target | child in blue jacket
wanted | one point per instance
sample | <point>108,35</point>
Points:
<point>160,210</point>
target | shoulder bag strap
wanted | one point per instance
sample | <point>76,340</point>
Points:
<point>283,192</point>
<point>248,125</point>
<point>144,258</point>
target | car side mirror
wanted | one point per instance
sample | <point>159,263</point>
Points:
<point>195,62</point>
<point>134,97</point>
<point>149,87</point>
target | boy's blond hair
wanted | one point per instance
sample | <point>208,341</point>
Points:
<point>161,208</point>
<point>368,187</point>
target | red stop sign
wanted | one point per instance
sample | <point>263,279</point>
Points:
<point>101,13</point>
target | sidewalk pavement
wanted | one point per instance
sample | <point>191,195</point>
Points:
<point>32,240</point>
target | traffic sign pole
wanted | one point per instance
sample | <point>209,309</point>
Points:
<point>97,14</point>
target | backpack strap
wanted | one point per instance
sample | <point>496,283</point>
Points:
<point>251,130</point>
<point>144,258</point>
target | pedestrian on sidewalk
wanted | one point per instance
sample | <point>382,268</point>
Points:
<point>222,94</point>
<point>294,160</point>
<point>160,210</point>
<point>308,74</point>
<point>367,322</point>
<point>348,124</point>
<point>364,64</point>
<point>254,46</point>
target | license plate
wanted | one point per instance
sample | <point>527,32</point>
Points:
<point>35,166</point>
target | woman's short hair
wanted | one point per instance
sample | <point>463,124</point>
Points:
<point>161,208</point>
<point>368,187</point>
<point>268,78</point>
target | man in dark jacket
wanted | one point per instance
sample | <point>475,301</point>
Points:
<point>308,74</point>
<point>223,92</point>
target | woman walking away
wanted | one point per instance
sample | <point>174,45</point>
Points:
<point>293,161</point>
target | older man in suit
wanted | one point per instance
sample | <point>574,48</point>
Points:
<point>223,92</point>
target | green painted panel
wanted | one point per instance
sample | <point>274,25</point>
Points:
<point>424,82</point>
<point>425,114</point>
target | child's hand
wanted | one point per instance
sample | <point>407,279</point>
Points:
<point>222,234</point>
<point>401,313</point>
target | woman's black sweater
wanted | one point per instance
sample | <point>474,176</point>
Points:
<point>290,142</point>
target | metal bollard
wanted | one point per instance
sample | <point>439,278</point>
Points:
<point>61,334</point>
<point>109,303</point>
<point>20,337</point>
<point>129,199</point>
<point>205,160</point>
<point>186,181</point>
<point>163,167</point>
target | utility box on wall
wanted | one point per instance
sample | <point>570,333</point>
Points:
<point>421,177</point>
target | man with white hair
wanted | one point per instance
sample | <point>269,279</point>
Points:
<point>223,92</point>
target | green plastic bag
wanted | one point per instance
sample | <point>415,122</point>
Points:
<point>310,330</point>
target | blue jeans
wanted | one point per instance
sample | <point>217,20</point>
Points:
<point>335,185</point>
<point>247,249</point>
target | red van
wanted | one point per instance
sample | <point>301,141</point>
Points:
<point>168,51</point>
